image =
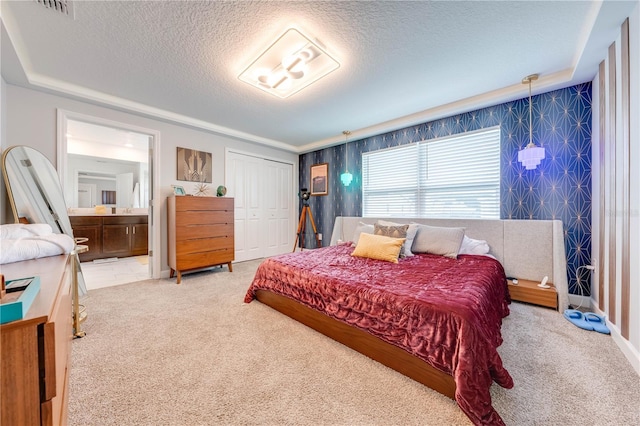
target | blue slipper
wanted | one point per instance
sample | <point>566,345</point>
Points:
<point>597,322</point>
<point>578,319</point>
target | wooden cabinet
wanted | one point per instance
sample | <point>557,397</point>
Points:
<point>112,236</point>
<point>36,350</point>
<point>124,236</point>
<point>200,233</point>
<point>529,292</point>
<point>89,227</point>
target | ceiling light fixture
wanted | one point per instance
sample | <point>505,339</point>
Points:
<point>346,177</point>
<point>289,65</point>
<point>531,155</point>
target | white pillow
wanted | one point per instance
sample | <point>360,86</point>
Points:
<point>471,246</point>
<point>438,240</point>
<point>362,227</point>
<point>411,235</point>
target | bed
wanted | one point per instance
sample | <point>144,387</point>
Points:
<point>438,324</point>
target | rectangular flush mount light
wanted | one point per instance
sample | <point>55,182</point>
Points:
<point>289,65</point>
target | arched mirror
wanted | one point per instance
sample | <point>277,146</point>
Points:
<point>34,190</point>
<point>36,196</point>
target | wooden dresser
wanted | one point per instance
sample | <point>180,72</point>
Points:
<point>36,349</point>
<point>200,233</point>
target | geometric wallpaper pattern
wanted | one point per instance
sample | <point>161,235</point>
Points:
<point>559,188</point>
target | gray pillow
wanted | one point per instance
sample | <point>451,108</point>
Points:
<point>362,227</point>
<point>411,234</point>
<point>438,240</point>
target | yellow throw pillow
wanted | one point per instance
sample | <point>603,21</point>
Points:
<point>378,247</point>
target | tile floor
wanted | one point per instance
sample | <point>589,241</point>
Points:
<point>114,272</point>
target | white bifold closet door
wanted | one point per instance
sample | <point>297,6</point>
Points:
<point>263,197</point>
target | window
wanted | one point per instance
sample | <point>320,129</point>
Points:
<point>451,177</point>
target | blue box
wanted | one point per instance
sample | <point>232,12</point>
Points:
<point>17,309</point>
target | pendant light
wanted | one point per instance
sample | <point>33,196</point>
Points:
<point>346,177</point>
<point>531,155</point>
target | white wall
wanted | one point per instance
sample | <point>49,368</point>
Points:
<point>4,208</point>
<point>631,346</point>
<point>29,118</point>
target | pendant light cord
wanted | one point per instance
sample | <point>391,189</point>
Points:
<point>528,79</point>
<point>346,134</point>
<point>530,118</point>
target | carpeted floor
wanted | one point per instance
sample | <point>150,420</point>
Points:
<point>157,353</point>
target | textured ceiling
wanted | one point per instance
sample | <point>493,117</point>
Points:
<point>401,62</point>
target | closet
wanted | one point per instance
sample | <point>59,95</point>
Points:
<point>265,215</point>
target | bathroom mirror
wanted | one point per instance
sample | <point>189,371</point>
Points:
<point>35,194</point>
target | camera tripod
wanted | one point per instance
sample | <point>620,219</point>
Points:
<point>301,228</point>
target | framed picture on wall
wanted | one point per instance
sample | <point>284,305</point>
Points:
<point>320,179</point>
<point>194,166</point>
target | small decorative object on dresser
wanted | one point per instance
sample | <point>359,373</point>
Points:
<point>202,189</point>
<point>200,233</point>
<point>178,190</point>
<point>221,191</point>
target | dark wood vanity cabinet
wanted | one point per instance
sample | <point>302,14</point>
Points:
<point>140,240</point>
<point>124,236</point>
<point>89,227</point>
<point>112,236</point>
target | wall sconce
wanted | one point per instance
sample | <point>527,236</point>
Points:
<point>289,65</point>
<point>531,155</point>
<point>346,177</point>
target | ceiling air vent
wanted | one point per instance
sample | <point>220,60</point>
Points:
<point>63,6</point>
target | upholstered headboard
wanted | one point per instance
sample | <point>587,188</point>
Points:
<point>528,249</point>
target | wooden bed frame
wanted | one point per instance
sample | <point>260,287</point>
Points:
<point>511,243</point>
<point>363,342</point>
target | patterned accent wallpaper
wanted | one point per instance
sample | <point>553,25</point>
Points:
<point>560,188</point>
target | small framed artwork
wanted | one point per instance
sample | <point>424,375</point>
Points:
<point>178,190</point>
<point>320,179</point>
<point>194,166</point>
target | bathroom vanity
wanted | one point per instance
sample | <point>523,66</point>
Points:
<point>111,235</point>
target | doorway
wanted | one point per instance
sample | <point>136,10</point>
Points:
<point>95,151</point>
<point>86,195</point>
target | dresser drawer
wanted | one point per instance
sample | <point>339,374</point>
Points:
<point>202,245</point>
<point>190,232</point>
<point>204,218</point>
<point>207,204</point>
<point>204,259</point>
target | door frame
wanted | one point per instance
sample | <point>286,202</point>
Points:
<point>155,237</point>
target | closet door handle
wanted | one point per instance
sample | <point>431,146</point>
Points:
<point>126,230</point>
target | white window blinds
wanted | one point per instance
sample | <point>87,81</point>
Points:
<point>452,177</point>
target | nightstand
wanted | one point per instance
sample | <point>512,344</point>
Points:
<point>529,292</point>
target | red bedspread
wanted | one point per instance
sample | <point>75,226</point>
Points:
<point>448,312</point>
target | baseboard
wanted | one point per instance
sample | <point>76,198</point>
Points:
<point>629,351</point>
<point>632,354</point>
<point>582,301</point>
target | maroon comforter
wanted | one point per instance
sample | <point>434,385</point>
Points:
<point>448,312</point>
